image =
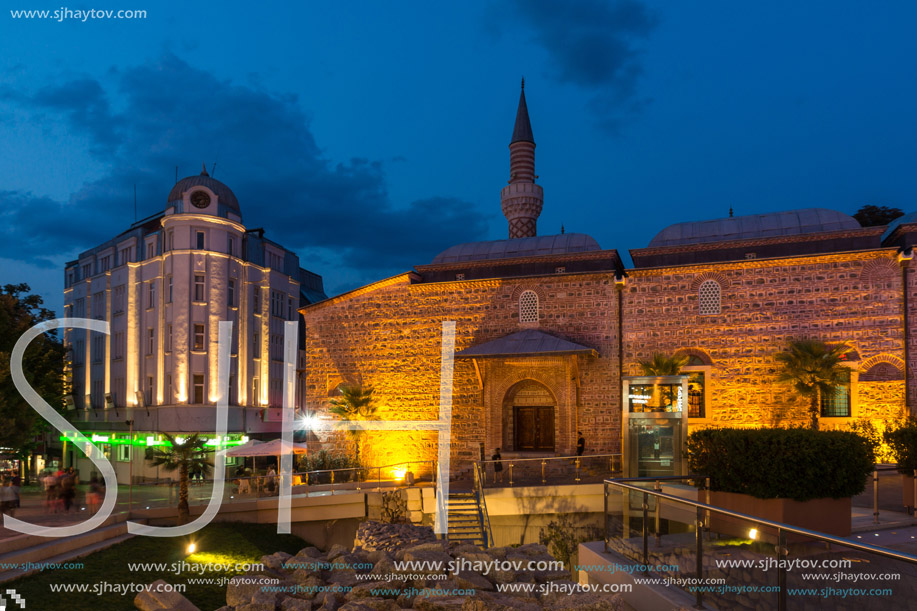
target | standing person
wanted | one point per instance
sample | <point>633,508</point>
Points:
<point>67,491</point>
<point>269,480</point>
<point>498,466</point>
<point>580,444</point>
<point>94,496</point>
<point>16,484</point>
<point>6,497</point>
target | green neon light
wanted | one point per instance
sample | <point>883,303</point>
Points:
<point>146,441</point>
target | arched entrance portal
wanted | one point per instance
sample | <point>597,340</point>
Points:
<point>528,416</point>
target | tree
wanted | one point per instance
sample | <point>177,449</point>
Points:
<point>813,369</point>
<point>43,364</point>
<point>662,365</point>
<point>185,455</point>
<point>354,403</point>
<point>872,216</point>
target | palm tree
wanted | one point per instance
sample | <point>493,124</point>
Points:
<point>354,403</point>
<point>186,455</point>
<point>662,365</point>
<point>814,369</point>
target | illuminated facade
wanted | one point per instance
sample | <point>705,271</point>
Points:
<point>547,326</point>
<point>164,285</point>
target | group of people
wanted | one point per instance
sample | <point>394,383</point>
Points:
<point>9,493</point>
<point>60,489</point>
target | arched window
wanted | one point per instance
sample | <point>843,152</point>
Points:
<point>708,298</point>
<point>528,306</point>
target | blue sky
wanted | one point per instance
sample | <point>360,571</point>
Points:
<point>368,136</point>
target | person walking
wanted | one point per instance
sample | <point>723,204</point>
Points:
<point>498,466</point>
<point>580,444</point>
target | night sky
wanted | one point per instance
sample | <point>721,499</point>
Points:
<point>368,136</point>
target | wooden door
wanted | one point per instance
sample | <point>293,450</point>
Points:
<point>533,428</point>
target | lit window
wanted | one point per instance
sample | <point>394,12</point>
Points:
<point>708,297</point>
<point>836,404</point>
<point>198,337</point>
<point>528,307</point>
<point>199,288</point>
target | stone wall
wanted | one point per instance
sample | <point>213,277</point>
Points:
<point>852,297</point>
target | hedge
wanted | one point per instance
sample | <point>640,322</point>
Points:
<point>903,443</point>
<point>799,464</point>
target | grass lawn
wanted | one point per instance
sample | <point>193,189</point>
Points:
<point>217,544</point>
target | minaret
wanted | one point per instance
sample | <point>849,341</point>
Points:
<point>522,199</point>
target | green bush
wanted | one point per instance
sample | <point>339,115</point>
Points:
<point>902,441</point>
<point>323,460</point>
<point>799,464</point>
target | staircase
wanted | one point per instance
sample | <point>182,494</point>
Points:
<point>466,523</point>
<point>26,549</point>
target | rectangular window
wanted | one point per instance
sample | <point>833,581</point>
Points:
<point>87,270</point>
<point>150,383</point>
<point>106,263</point>
<point>151,340</point>
<point>151,248</point>
<point>696,387</point>
<point>169,338</point>
<point>168,289</point>
<point>98,348</point>
<point>289,308</point>
<point>98,305</point>
<point>276,303</point>
<point>170,240</point>
<point>117,345</point>
<point>836,404</point>
<point>198,288</point>
<point>198,389</point>
<point>256,301</point>
<point>151,294</point>
<point>79,308</point>
<point>231,246</point>
<point>124,452</point>
<point>256,395</point>
<point>168,388</point>
<point>117,300</point>
<point>200,240</point>
<point>198,337</point>
<point>231,297</point>
<point>256,344</point>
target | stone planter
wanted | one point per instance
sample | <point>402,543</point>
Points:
<point>831,516</point>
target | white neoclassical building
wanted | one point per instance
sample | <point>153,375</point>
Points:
<point>164,285</point>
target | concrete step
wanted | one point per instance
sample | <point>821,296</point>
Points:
<point>18,542</point>
<point>47,550</point>
<point>73,554</point>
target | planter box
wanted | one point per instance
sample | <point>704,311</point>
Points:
<point>831,516</point>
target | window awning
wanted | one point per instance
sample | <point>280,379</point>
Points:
<point>530,342</point>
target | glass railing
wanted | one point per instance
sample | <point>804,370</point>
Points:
<point>725,559</point>
<point>585,469</point>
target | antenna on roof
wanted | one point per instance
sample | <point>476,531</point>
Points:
<point>135,202</point>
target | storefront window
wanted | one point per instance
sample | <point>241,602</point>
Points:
<point>656,398</point>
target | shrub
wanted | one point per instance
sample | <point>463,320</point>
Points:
<point>875,438</point>
<point>323,460</point>
<point>799,464</point>
<point>903,443</point>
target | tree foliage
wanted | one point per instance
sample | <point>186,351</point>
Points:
<point>354,403</point>
<point>872,216</point>
<point>43,365</point>
<point>663,365</point>
<point>185,455</point>
<point>813,369</point>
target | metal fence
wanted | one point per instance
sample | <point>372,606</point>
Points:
<point>588,468</point>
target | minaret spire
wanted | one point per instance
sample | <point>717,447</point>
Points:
<point>204,169</point>
<point>522,199</point>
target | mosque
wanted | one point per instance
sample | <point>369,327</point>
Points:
<point>547,326</point>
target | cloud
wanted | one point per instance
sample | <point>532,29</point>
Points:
<point>144,121</point>
<point>593,44</point>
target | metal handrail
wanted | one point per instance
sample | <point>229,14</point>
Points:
<point>700,524</point>
<point>479,489</point>
<point>544,460</point>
